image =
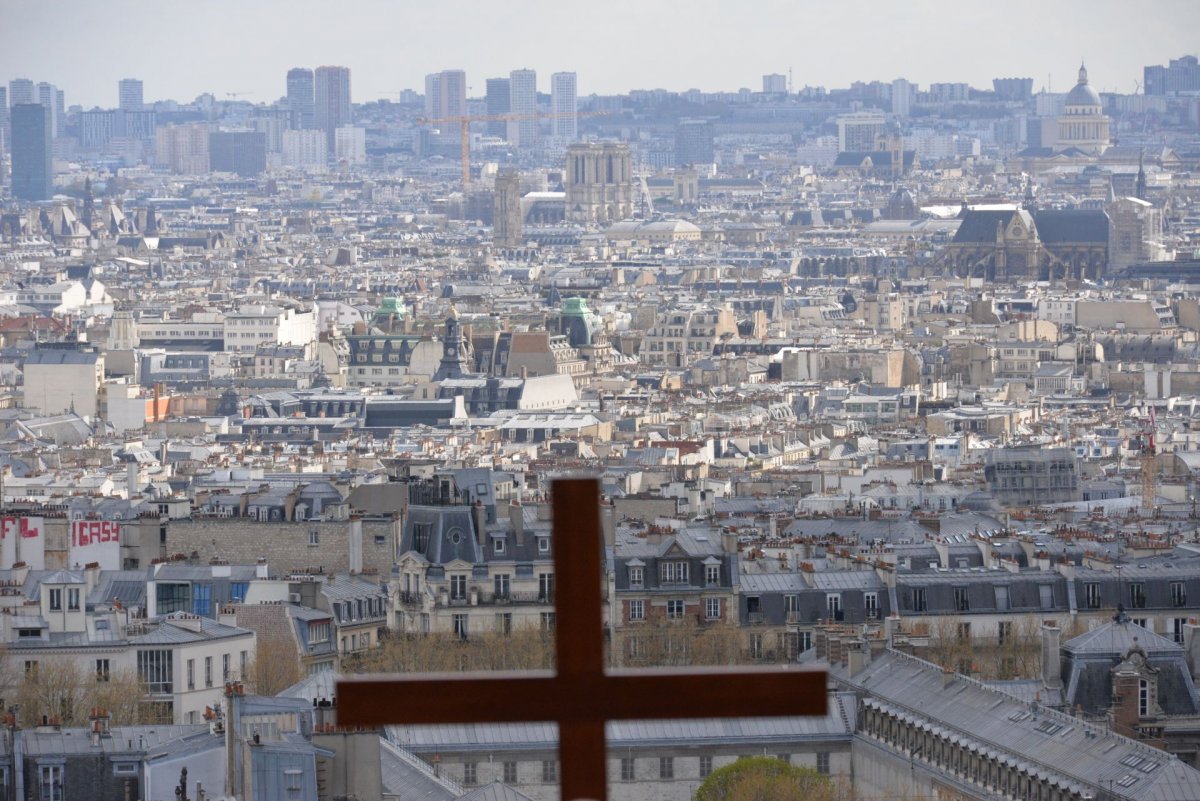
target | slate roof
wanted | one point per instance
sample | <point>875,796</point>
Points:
<point>1075,753</point>
<point>1055,226</point>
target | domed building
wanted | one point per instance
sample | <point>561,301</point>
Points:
<point>1083,124</point>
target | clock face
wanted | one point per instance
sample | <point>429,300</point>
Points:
<point>451,350</point>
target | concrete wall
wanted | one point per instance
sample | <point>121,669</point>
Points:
<point>286,545</point>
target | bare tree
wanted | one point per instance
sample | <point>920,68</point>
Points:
<point>275,666</point>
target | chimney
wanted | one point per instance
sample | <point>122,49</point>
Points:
<point>1191,645</point>
<point>608,523</point>
<point>856,657</point>
<point>1051,656</point>
<point>891,624</point>
<point>355,544</point>
<point>260,568</point>
<point>516,519</point>
<point>729,542</point>
<point>479,517</point>
<point>131,479</point>
<point>947,677</point>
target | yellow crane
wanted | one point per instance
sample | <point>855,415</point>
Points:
<point>464,123</point>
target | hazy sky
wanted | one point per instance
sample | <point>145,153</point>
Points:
<point>181,48</point>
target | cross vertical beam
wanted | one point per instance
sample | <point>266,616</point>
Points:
<point>578,630</point>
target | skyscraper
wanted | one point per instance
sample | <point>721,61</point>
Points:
<point>21,91</point>
<point>31,152</point>
<point>498,103</point>
<point>300,98</point>
<point>47,95</point>
<point>241,152</point>
<point>5,134</point>
<point>446,94</point>
<point>331,98</point>
<point>565,119</point>
<point>129,94</point>
<point>522,100</point>
<point>774,84</point>
<point>693,142</point>
<point>903,94</point>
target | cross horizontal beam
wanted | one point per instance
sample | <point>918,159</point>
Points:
<point>378,700</point>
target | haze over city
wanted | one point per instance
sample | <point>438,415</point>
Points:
<point>368,365</point>
<point>224,46</point>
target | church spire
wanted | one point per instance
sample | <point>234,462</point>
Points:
<point>1082,73</point>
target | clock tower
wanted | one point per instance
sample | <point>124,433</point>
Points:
<point>454,357</point>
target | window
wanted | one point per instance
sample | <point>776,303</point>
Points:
<point>804,641</point>
<point>172,598</point>
<point>510,772</point>
<point>1046,596</point>
<point>545,587</point>
<point>543,545</point>
<point>1143,698</point>
<point>238,590</point>
<point>637,610</point>
<point>155,670</point>
<point>73,599</point>
<point>712,608</point>
<point>225,667</point>
<point>469,775</point>
<point>547,621</point>
<point>962,599</point>
<point>293,780</point>
<point>191,674</point>
<point>103,670</point>
<point>1177,625</point>
<point>1178,594</point>
<point>1001,597</point>
<point>1137,595</point>
<point>674,609</point>
<point>871,604</point>
<point>784,758</point>
<point>458,587</point>
<point>756,646</point>
<point>1004,631</point>
<point>705,766</point>
<point>627,765</point>
<point>712,575</point>
<point>635,577</point>
<point>501,583</point>
<point>421,536</point>
<point>208,671</point>
<point>919,603</point>
<point>549,771</point>
<point>460,626</point>
<point>498,545</point>
<point>202,599</point>
<point>823,762</point>
<point>504,622</point>
<point>833,604</point>
<point>666,767</point>
<point>673,572</point>
<point>52,782</point>
<point>314,537</point>
<point>56,600</point>
<point>319,631</point>
<point>964,633</point>
<point>1091,593</point>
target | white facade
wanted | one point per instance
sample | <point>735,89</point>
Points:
<point>304,148</point>
<point>522,88</point>
<point>565,122</point>
<point>351,144</point>
<point>253,326</point>
<point>59,381</point>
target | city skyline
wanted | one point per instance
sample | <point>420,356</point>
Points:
<point>926,42</point>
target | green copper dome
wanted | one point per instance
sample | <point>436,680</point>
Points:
<point>392,306</point>
<point>576,307</point>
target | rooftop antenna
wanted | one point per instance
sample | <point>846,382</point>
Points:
<point>789,80</point>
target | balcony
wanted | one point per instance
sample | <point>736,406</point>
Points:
<point>409,598</point>
<point>793,616</point>
<point>507,598</point>
<point>756,618</point>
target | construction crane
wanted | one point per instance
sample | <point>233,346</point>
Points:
<point>464,123</point>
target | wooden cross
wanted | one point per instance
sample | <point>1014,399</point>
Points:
<point>581,696</point>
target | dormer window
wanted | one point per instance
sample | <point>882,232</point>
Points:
<point>499,545</point>
<point>543,545</point>
<point>73,599</point>
<point>56,600</point>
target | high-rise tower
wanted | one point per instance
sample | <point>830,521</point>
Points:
<point>331,95</point>
<point>522,85</point>
<point>565,119</point>
<point>446,94</point>
<point>300,98</point>
<point>129,95</point>
<point>31,152</point>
